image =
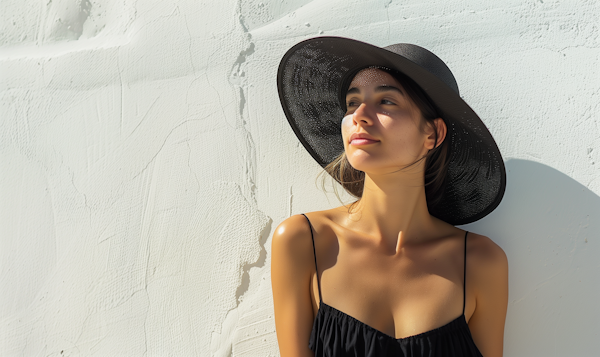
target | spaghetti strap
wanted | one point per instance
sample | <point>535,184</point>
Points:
<point>312,237</point>
<point>465,274</point>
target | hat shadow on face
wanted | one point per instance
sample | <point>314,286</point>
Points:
<point>549,226</point>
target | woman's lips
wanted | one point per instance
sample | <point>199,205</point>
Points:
<point>362,141</point>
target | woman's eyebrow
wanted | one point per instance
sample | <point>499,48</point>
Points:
<point>355,90</point>
<point>388,88</point>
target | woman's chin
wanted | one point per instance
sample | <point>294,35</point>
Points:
<point>374,167</point>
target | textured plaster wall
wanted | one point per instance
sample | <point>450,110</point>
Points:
<point>145,161</point>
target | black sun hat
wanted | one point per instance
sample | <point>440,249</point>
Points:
<point>312,80</point>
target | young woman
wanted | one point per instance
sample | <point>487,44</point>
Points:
<point>390,274</point>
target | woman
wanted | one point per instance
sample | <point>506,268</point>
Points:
<point>388,275</point>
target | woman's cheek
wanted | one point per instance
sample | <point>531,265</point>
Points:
<point>346,126</point>
<point>346,119</point>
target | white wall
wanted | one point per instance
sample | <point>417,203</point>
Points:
<point>145,162</point>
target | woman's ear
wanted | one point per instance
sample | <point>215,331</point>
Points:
<point>437,126</point>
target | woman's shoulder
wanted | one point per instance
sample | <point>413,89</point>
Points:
<point>484,248</point>
<point>293,231</point>
<point>291,247</point>
<point>296,231</point>
<point>485,258</point>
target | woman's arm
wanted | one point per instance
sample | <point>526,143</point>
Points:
<point>292,265</point>
<point>487,270</point>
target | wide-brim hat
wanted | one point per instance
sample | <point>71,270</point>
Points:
<point>313,78</point>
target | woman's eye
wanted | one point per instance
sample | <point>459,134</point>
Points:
<point>387,102</point>
<point>351,104</point>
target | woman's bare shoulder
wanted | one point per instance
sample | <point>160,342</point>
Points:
<point>484,248</point>
<point>485,258</point>
<point>293,233</point>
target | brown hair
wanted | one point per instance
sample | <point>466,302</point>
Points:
<point>436,160</point>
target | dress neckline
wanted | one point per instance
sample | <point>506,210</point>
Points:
<point>457,322</point>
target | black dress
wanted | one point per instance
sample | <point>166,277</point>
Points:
<point>337,334</point>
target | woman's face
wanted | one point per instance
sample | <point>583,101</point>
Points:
<point>383,129</point>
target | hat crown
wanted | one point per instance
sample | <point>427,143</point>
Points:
<point>427,60</point>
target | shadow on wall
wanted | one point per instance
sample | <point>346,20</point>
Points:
<point>549,226</point>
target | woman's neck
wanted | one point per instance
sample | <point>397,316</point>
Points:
<point>393,209</point>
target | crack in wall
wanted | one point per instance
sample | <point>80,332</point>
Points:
<point>387,14</point>
<point>259,263</point>
<point>237,78</point>
<point>225,339</point>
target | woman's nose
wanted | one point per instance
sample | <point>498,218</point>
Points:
<point>364,114</point>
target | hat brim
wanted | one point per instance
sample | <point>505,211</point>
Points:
<point>312,79</point>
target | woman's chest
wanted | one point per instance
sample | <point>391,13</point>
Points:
<point>397,295</point>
